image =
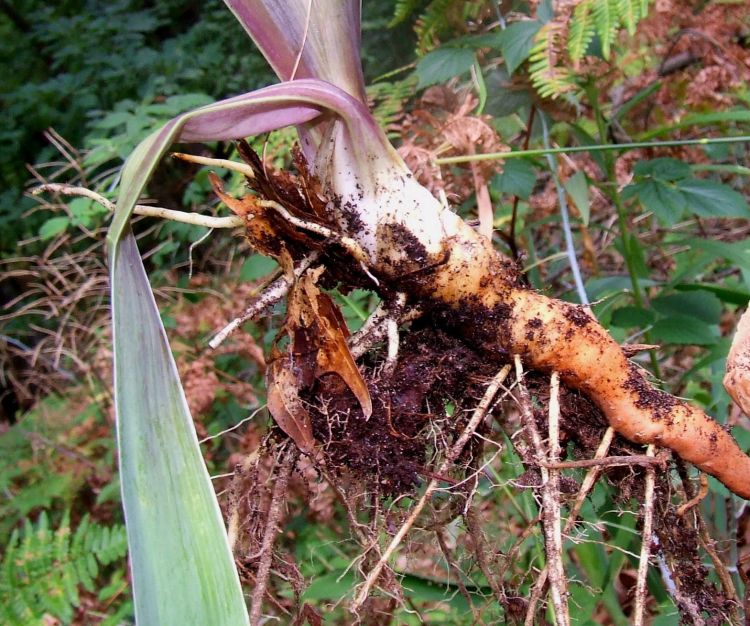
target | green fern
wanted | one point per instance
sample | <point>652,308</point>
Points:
<point>548,78</point>
<point>43,569</point>
<point>582,30</point>
<point>607,20</point>
<point>630,13</point>
<point>403,10</point>
<point>387,100</point>
<point>590,18</point>
<point>436,19</point>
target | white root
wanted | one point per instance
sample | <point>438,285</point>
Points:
<point>195,219</point>
<point>453,454</point>
<point>648,526</point>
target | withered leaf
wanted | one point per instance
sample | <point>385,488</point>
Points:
<point>318,328</point>
<point>285,405</point>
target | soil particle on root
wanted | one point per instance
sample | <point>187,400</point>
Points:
<point>659,402</point>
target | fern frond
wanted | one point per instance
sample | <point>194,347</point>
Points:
<point>43,570</point>
<point>433,21</point>
<point>630,13</point>
<point>582,29</point>
<point>387,100</point>
<point>607,20</point>
<point>403,10</point>
<point>548,79</point>
<point>443,17</point>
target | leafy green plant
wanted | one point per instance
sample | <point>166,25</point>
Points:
<point>44,569</point>
<point>668,188</point>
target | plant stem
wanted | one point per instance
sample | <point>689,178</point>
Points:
<point>612,191</point>
<point>519,154</point>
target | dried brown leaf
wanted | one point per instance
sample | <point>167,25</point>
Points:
<point>285,405</point>
<point>318,328</point>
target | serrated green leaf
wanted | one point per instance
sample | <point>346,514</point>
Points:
<point>684,330</point>
<point>632,316</point>
<point>517,179</point>
<point>85,211</point>
<point>663,168</point>
<point>443,64</point>
<point>666,202</point>
<point>738,252</point>
<point>53,227</point>
<point>578,189</point>
<point>711,199</point>
<point>503,96</point>
<point>730,295</point>
<point>517,41</point>
<point>701,304</point>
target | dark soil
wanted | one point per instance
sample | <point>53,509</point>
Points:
<point>390,450</point>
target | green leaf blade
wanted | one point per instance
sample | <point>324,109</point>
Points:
<point>443,64</point>
<point>517,41</point>
<point>684,330</point>
<point>182,567</point>
<point>666,202</point>
<point>707,198</point>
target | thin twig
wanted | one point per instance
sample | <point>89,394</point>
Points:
<point>550,499</point>
<point>275,511</point>
<point>705,538</point>
<point>454,569</point>
<point>586,486</point>
<point>270,296</point>
<point>196,219</point>
<point>611,461</point>
<point>451,456</point>
<point>590,478</point>
<point>558,582</point>
<point>648,525</point>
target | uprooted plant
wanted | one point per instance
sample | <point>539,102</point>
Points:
<point>455,318</point>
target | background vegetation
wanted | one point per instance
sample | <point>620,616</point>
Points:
<point>659,236</point>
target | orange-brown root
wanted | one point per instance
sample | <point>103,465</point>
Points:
<point>482,299</point>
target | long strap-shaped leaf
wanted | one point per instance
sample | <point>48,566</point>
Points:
<point>182,567</point>
<point>307,38</point>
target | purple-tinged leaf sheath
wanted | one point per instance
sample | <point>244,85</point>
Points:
<point>307,39</point>
<point>267,109</point>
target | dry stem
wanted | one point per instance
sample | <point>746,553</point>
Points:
<point>275,511</point>
<point>453,454</point>
<point>586,486</point>
<point>270,296</point>
<point>648,525</point>
<point>550,494</point>
<point>612,461</point>
<point>234,166</point>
